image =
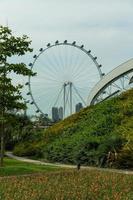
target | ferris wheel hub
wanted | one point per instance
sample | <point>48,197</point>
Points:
<point>67,83</point>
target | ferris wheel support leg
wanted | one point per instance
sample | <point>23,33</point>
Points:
<point>64,99</point>
<point>70,84</point>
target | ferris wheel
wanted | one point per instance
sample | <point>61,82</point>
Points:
<point>66,73</point>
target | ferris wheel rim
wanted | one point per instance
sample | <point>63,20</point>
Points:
<point>42,50</point>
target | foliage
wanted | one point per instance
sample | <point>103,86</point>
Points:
<point>10,94</point>
<point>68,184</point>
<point>88,136</point>
<point>10,45</point>
<point>26,149</point>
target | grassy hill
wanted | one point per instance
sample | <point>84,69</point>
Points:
<point>88,136</point>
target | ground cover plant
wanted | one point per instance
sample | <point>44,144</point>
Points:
<point>88,136</point>
<point>68,185</point>
<point>13,167</point>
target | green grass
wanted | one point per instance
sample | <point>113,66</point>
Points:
<point>68,185</point>
<point>51,183</point>
<point>13,167</point>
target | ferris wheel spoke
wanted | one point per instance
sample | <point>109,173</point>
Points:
<point>49,90</point>
<point>62,69</point>
<point>43,80</point>
<point>43,91</point>
<point>83,69</point>
<point>61,58</point>
<point>52,104</point>
<point>43,61</point>
<point>43,77</point>
<point>58,67</point>
<point>66,58</point>
<point>48,73</point>
<point>74,57</point>
<point>57,61</point>
<point>49,102</point>
<point>85,63</point>
<point>83,91</point>
<point>71,58</point>
<point>47,69</point>
<point>67,97</point>
<point>79,95</point>
<point>79,68</point>
<point>77,60</point>
<point>88,82</point>
<point>76,101</point>
<point>86,75</point>
<point>58,96</point>
<point>51,66</point>
<point>81,82</point>
<point>45,87</point>
<point>83,88</point>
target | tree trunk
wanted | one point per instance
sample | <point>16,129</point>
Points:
<point>2,135</point>
<point>2,146</point>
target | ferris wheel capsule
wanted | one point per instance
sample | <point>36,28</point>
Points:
<point>74,42</point>
<point>35,56</point>
<point>81,46</point>
<point>48,45</point>
<point>27,83</point>
<point>28,93</point>
<point>57,42</point>
<point>89,51</point>
<point>30,64</point>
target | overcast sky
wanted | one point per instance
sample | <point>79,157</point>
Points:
<point>104,26</point>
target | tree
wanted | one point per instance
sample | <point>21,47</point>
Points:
<point>10,94</point>
<point>20,129</point>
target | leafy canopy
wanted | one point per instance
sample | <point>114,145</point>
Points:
<point>10,45</point>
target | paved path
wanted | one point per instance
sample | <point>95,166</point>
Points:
<point>9,154</point>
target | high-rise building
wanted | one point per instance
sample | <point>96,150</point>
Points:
<point>60,112</point>
<point>55,114</point>
<point>78,107</point>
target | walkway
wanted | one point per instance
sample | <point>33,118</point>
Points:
<point>9,154</point>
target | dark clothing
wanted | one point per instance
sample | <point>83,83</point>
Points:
<point>78,166</point>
